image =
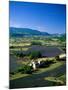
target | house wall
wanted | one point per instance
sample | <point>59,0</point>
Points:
<point>62,55</point>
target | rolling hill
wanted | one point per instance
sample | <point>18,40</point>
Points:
<point>25,31</point>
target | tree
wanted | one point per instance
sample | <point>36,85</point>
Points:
<point>35,54</point>
<point>57,57</point>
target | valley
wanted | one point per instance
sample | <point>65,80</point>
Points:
<point>35,57</point>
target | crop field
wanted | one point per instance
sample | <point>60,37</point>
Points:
<point>52,75</point>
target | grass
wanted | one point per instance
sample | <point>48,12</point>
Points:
<point>53,66</point>
<point>61,79</point>
<point>20,44</point>
<point>18,75</point>
<point>19,49</point>
<point>43,76</point>
<point>37,79</point>
<point>54,79</point>
<point>41,70</point>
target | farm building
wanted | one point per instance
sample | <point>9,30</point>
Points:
<point>45,52</point>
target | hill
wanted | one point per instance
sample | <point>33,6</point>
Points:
<point>25,31</point>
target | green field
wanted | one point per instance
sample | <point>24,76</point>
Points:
<point>53,75</point>
<point>40,77</point>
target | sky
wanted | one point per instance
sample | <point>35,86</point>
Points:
<point>44,17</point>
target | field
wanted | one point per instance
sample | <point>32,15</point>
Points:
<point>52,75</point>
<point>43,77</point>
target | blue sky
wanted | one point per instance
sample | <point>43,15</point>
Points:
<point>49,18</point>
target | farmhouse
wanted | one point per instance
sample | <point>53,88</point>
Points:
<point>45,52</point>
<point>51,51</point>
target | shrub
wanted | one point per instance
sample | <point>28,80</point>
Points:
<point>25,69</point>
<point>36,43</point>
<point>12,73</point>
<point>45,63</point>
<point>12,47</point>
<point>20,54</point>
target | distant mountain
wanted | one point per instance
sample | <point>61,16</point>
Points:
<point>19,32</point>
<point>25,31</point>
<point>45,33</point>
<point>58,35</point>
